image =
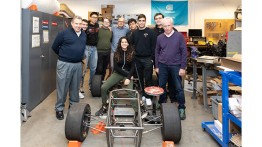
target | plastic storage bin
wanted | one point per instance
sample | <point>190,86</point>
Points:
<point>215,101</point>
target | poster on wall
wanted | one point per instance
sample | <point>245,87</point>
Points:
<point>177,9</point>
<point>35,40</point>
<point>35,24</point>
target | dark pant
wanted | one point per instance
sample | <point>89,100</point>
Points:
<point>145,70</point>
<point>102,63</point>
<point>170,87</point>
<point>171,70</point>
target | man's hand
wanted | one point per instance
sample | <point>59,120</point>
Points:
<point>157,70</point>
<point>127,81</point>
<point>182,72</point>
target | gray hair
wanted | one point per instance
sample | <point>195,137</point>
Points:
<point>76,17</point>
<point>168,18</point>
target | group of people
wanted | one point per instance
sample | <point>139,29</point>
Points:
<point>162,49</point>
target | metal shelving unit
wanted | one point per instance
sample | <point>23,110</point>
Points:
<point>223,139</point>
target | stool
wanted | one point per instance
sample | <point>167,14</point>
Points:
<point>154,91</point>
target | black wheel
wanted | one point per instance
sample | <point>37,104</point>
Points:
<point>96,85</point>
<point>109,138</point>
<point>171,123</point>
<point>77,122</point>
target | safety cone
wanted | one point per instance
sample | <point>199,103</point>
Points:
<point>100,127</point>
<point>168,144</point>
<point>74,143</point>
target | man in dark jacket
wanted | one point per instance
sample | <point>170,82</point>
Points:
<point>144,41</point>
<point>91,45</point>
<point>69,45</point>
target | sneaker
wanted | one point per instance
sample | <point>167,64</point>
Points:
<point>148,102</point>
<point>81,96</point>
<point>101,111</point>
<point>60,115</point>
<point>143,110</point>
<point>144,114</point>
<point>82,91</point>
<point>182,114</point>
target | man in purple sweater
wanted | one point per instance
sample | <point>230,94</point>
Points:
<point>171,58</point>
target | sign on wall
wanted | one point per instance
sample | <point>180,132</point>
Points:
<point>177,9</point>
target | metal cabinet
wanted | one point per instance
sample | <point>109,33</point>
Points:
<point>38,59</point>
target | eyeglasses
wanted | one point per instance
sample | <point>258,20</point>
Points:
<point>94,17</point>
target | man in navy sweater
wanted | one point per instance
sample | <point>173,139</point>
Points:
<point>171,60</point>
<point>69,45</point>
<point>158,17</point>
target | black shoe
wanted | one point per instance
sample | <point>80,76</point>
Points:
<point>101,111</point>
<point>60,115</point>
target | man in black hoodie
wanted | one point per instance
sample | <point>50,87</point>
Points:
<point>144,41</point>
<point>91,43</point>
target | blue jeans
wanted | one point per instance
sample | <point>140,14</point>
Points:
<point>173,71</point>
<point>91,60</point>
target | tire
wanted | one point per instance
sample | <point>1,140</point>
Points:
<point>77,122</point>
<point>171,123</point>
<point>96,85</point>
<point>109,138</point>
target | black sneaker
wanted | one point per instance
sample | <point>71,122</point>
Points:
<point>101,111</point>
<point>182,114</point>
<point>60,115</point>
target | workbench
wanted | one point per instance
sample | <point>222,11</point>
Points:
<point>207,64</point>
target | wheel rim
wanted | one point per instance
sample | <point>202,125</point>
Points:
<point>85,124</point>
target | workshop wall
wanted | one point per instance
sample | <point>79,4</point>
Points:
<point>199,10</point>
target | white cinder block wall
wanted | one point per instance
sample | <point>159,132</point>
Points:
<point>198,10</point>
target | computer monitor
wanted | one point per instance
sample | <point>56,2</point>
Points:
<point>195,32</point>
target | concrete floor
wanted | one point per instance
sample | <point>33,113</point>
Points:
<point>42,129</point>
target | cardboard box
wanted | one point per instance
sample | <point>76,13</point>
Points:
<point>234,62</point>
<point>233,128</point>
<point>107,6</point>
<point>219,111</point>
<point>108,15</point>
<point>111,6</point>
<point>106,10</point>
